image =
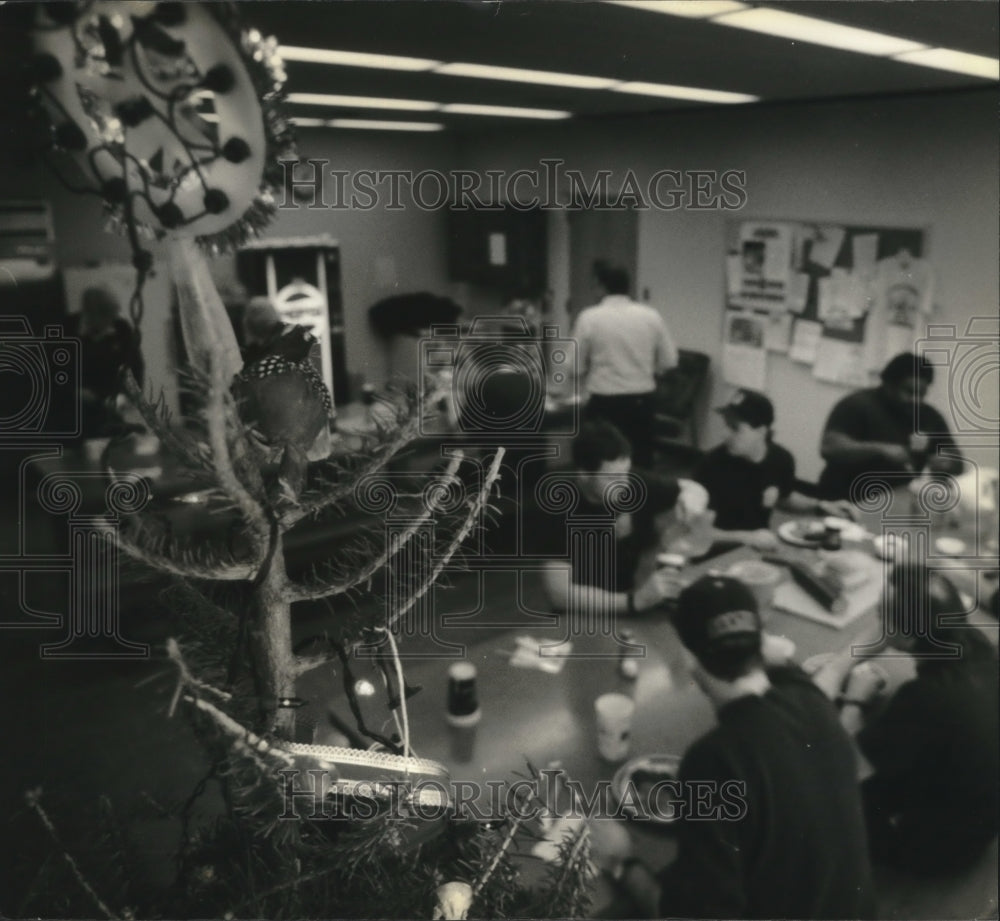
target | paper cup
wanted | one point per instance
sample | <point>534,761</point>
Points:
<point>777,650</point>
<point>93,450</point>
<point>614,725</point>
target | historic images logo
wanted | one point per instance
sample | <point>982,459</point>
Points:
<point>41,410</point>
<point>549,186</point>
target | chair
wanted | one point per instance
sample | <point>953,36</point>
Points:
<point>675,400</point>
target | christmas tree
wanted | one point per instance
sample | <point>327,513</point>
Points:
<point>261,444</point>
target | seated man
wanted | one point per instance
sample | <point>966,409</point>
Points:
<point>602,464</point>
<point>108,346</point>
<point>931,755</point>
<point>795,847</point>
<point>749,475</point>
<point>888,428</point>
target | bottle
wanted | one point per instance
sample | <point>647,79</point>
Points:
<point>463,701</point>
<point>831,539</point>
<point>628,665</point>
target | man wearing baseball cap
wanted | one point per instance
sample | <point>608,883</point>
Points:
<point>749,475</point>
<point>797,848</point>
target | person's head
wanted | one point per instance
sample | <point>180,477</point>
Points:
<point>749,416</point>
<point>601,454</point>
<point>614,279</point>
<point>906,379</point>
<point>658,514</point>
<point>99,309</point>
<point>915,606</point>
<point>718,623</point>
<point>260,319</point>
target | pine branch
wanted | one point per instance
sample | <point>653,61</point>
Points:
<point>569,895</point>
<point>184,567</point>
<point>406,432</point>
<point>243,739</point>
<point>157,417</point>
<point>32,798</point>
<point>476,509</point>
<point>186,679</point>
<point>218,411</point>
<point>512,830</point>
<point>318,591</point>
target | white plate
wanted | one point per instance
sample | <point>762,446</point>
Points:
<point>663,767</point>
<point>949,546</point>
<point>849,530</point>
<point>792,532</point>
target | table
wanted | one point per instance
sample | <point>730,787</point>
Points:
<point>538,718</point>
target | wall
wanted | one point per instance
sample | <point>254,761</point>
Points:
<point>383,252</point>
<point>909,161</point>
<point>921,161</point>
<point>80,241</point>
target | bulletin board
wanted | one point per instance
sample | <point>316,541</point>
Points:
<point>839,299</point>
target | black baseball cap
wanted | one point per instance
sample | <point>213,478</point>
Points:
<point>750,407</point>
<point>718,621</point>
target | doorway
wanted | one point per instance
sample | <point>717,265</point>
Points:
<point>599,234</point>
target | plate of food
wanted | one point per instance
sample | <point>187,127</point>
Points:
<point>848,530</point>
<point>812,533</point>
<point>647,788</point>
<point>802,533</point>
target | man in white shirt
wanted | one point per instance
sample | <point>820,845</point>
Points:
<point>621,347</point>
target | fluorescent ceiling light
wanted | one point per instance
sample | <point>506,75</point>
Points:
<point>361,102</point>
<point>959,62</point>
<point>783,24</point>
<point>462,108</point>
<point>353,58</point>
<point>520,75</point>
<point>375,124</point>
<point>694,9</point>
<point>383,125</point>
<point>682,92</point>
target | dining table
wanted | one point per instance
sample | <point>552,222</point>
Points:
<point>541,713</point>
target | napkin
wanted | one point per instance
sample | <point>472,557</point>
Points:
<point>534,653</point>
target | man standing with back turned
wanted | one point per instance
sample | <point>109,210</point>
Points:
<point>621,348</point>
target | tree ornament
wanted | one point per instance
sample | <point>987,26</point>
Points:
<point>170,113</point>
<point>283,396</point>
<point>168,109</point>
<point>205,325</point>
<point>453,902</point>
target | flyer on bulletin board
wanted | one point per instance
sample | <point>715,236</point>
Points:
<point>758,272</point>
<point>805,339</point>
<point>778,331</point>
<point>744,355</point>
<point>839,298</point>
